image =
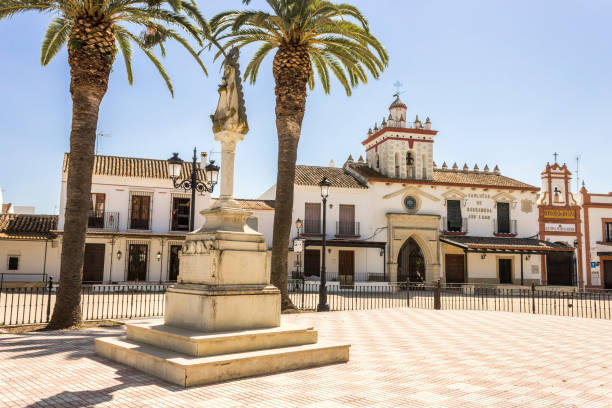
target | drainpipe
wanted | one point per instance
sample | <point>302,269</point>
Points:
<point>45,260</point>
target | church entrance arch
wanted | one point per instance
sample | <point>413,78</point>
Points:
<point>410,262</point>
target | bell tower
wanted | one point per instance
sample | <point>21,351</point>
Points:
<point>400,149</point>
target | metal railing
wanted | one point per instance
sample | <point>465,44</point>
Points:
<point>433,295</point>
<point>446,227</point>
<point>103,220</point>
<point>357,277</point>
<point>347,228</point>
<point>34,304</point>
<point>500,228</point>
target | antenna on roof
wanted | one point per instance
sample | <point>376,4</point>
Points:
<point>98,136</point>
<point>397,86</point>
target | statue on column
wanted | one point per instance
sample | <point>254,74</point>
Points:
<point>231,113</point>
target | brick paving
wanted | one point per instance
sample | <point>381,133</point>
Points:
<point>399,357</point>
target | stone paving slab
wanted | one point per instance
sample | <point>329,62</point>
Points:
<point>399,358</point>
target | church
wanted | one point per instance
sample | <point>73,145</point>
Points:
<point>397,216</point>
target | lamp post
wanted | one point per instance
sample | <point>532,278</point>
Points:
<point>323,306</point>
<point>193,183</point>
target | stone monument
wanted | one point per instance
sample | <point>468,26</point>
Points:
<point>222,318</point>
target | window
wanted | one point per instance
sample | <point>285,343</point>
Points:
<point>377,161</point>
<point>608,231</point>
<point>453,215</point>
<point>13,263</point>
<point>503,218</point>
<point>180,213</point>
<point>409,165</point>
<point>96,210</point>
<point>139,215</point>
<point>312,218</point>
<point>346,224</point>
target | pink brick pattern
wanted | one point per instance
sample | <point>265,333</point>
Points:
<point>399,358</point>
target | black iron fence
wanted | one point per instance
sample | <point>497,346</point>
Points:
<point>536,300</point>
<point>34,304</point>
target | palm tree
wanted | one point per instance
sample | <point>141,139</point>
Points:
<point>332,38</point>
<point>93,29</point>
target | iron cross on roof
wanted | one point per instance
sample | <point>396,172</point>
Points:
<point>397,86</point>
<point>555,154</point>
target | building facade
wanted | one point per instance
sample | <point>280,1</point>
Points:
<point>396,216</point>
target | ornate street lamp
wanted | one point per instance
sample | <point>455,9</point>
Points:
<point>323,306</point>
<point>193,183</point>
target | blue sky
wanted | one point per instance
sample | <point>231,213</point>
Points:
<point>505,83</point>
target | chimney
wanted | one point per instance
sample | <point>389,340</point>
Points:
<point>331,163</point>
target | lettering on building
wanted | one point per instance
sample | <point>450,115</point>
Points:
<point>558,213</point>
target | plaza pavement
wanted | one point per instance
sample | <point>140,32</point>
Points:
<point>399,358</point>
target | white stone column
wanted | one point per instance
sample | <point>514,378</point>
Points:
<point>228,141</point>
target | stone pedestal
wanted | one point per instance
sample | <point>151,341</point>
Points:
<point>222,318</point>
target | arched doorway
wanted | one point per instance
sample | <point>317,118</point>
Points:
<point>410,262</point>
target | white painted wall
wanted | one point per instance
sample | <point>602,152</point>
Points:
<point>31,259</point>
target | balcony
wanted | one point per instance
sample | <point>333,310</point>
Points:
<point>449,229</point>
<point>504,228</point>
<point>103,220</point>
<point>347,229</point>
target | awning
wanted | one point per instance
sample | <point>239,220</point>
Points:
<point>351,243</point>
<point>505,245</point>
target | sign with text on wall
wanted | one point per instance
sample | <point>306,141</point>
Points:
<point>560,227</point>
<point>298,245</point>
<point>558,213</point>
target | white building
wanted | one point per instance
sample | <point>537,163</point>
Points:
<point>396,216</point>
<point>136,226</point>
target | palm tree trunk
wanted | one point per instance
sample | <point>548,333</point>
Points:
<point>290,91</point>
<point>90,70</point>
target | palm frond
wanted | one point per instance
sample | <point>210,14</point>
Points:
<point>55,37</point>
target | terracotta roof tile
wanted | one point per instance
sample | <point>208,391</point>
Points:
<point>312,175</point>
<point>132,167</point>
<point>451,177</point>
<point>254,204</point>
<point>27,226</point>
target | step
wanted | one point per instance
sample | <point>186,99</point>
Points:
<point>187,371</point>
<point>199,344</point>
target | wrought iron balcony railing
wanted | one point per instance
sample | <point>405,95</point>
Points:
<point>347,228</point>
<point>504,226</point>
<point>448,226</point>
<point>103,220</point>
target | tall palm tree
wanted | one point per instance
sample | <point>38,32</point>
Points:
<point>94,31</point>
<point>336,41</point>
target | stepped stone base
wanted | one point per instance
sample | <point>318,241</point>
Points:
<point>188,357</point>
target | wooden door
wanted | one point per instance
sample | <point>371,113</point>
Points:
<point>503,218</point>
<point>93,263</point>
<point>312,262</point>
<point>607,272</point>
<point>347,220</point>
<point>455,268</point>
<point>505,271</point>
<point>312,218</point>
<point>139,216</point>
<point>346,268</point>
<point>180,213</point>
<point>559,269</point>
<point>137,262</point>
<point>173,269</point>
